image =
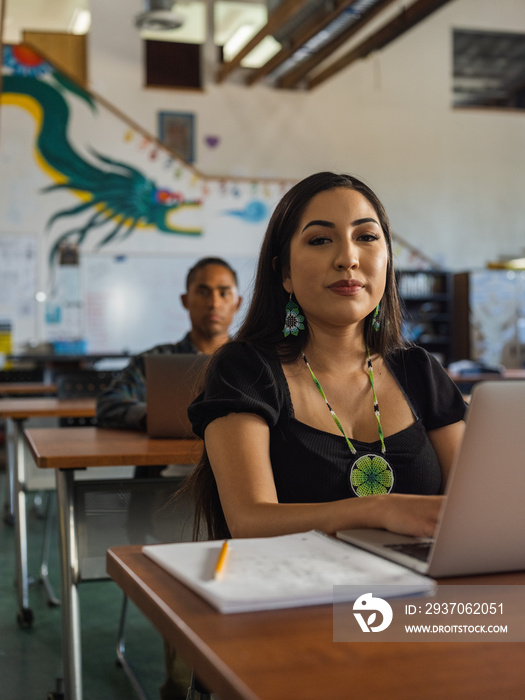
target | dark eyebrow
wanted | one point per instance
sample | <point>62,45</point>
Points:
<point>220,287</point>
<point>330,224</point>
<point>319,222</point>
<point>366,220</point>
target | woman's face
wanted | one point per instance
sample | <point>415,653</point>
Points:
<point>338,259</point>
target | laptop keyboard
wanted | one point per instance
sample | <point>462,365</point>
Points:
<point>418,550</point>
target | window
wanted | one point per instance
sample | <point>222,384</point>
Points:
<point>489,69</point>
<point>170,64</point>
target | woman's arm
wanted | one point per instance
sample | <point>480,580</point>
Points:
<point>238,447</point>
<point>445,442</point>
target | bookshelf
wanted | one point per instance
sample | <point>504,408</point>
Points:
<point>428,310</point>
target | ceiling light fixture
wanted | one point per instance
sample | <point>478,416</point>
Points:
<point>238,40</point>
<point>80,21</point>
<point>159,16</point>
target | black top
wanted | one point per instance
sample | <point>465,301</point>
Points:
<point>311,465</point>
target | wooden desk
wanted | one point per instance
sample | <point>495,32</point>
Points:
<point>55,361</point>
<point>493,376</point>
<point>279,654</point>
<point>19,389</point>
<point>26,388</point>
<point>45,406</point>
<point>66,450</point>
<point>16,411</point>
<point>99,447</point>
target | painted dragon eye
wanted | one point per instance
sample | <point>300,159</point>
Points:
<point>167,197</point>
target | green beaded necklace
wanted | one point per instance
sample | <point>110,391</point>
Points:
<point>370,474</point>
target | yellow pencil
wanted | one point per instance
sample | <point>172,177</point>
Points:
<point>221,561</point>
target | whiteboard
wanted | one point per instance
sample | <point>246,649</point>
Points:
<point>18,285</point>
<point>131,303</point>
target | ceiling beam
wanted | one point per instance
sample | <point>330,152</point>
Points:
<point>304,34</point>
<point>275,20</point>
<point>407,19</point>
<point>292,77</point>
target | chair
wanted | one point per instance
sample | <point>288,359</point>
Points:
<point>35,375</point>
<point>197,687</point>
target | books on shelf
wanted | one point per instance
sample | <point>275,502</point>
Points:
<point>280,572</point>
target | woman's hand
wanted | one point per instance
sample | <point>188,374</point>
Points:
<point>407,514</point>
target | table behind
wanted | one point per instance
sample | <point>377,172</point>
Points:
<point>27,389</point>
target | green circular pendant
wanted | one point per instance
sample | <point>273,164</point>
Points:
<point>371,475</point>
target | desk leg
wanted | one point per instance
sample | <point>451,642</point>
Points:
<point>11,466</point>
<point>25,615</point>
<point>71,643</point>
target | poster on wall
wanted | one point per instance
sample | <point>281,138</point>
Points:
<point>497,312</point>
<point>177,132</point>
<point>64,307</point>
<point>18,285</point>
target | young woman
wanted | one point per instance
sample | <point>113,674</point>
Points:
<point>318,415</point>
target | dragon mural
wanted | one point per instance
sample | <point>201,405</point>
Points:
<point>113,193</point>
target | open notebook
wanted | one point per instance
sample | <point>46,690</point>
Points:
<point>282,572</point>
<point>481,527</point>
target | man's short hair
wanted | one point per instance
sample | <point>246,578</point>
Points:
<point>204,262</point>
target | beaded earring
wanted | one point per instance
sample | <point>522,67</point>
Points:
<point>293,321</point>
<point>375,321</point>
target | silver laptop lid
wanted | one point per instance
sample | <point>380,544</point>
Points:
<point>481,527</point>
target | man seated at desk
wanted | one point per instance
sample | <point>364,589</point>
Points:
<point>212,300</point>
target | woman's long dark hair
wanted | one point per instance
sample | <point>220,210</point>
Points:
<point>264,320</point>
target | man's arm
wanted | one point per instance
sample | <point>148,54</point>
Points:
<point>123,403</point>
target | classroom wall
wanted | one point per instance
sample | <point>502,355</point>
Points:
<point>78,173</point>
<point>452,180</point>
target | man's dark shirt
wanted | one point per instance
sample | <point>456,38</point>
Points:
<point>123,403</point>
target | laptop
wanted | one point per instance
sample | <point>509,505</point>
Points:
<point>481,528</point>
<point>172,382</point>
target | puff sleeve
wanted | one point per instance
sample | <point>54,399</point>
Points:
<point>240,379</point>
<point>435,397</point>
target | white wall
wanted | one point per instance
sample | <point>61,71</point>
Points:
<point>452,181</point>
